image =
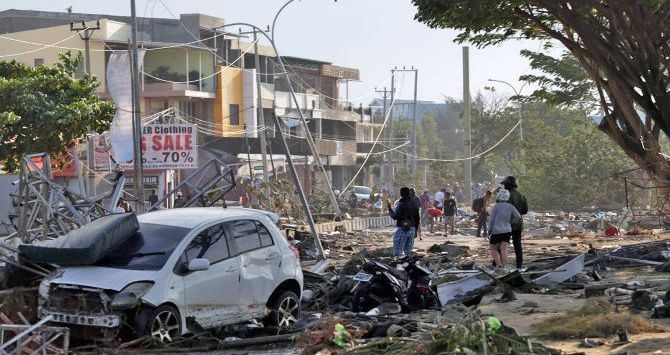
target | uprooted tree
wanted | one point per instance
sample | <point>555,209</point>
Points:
<point>47,109</point>
<point>622,45</point>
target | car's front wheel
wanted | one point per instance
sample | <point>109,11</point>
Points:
<point>285,310</point>
<point>163,324</point>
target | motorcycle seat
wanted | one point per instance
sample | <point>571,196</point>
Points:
<point>400,275</point>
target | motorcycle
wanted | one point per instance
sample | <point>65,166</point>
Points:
<point>420,294</point>
<point>379,283</point>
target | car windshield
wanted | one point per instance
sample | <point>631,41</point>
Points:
<point>362,190</point>
<point>148,249</point>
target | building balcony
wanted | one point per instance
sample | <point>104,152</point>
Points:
<point>175,90</point>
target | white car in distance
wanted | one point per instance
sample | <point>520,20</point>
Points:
<point>186,268</point>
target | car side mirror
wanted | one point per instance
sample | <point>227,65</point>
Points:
<point>198,265</point>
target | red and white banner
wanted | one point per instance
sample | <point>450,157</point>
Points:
<point>169,146</point>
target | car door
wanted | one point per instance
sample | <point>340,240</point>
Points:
<point>260,260</point>
<point>211,296</point>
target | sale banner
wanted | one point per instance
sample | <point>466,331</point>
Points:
<point>169,146</point>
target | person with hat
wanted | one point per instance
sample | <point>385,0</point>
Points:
<point>518,200</point>
<point>503,215</point>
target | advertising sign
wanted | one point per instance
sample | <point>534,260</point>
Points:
<point>169,146</point>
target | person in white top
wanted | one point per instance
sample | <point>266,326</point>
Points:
<point>439,199</point>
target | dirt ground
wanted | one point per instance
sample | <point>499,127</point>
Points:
<point>530,309</point>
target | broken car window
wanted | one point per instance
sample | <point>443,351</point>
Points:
<point>148,249</point>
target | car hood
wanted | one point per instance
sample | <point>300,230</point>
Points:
<point>101,277</point>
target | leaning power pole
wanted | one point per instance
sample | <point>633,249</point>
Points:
<point>85,32</point>
<point>467,148</point>
<point>137,119</point>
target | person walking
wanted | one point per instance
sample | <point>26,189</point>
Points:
<point>481,207</point>
<point>416,205</point>
<point>439,199</point>
<point>503,215</point>
<point>518,200</point>
<point>405,216</point>
<point>450,209</point>
<point>425,205</point>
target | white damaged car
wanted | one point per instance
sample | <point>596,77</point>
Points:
<point>185,269</point>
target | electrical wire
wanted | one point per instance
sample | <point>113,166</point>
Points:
<point>470,158</point>
<point>38,49</point>
<point>54,45</point>
<point>370,152</point>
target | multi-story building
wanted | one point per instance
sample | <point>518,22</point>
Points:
<point>192,65</point>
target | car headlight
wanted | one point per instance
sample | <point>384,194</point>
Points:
<point>131,295</point>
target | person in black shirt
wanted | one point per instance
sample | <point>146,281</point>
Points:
<point>153,198</point>
<point>416,204</point>
<point>450,209</point>
<point>406,217</point>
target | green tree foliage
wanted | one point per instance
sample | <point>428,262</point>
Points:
<point>568,163</point>
<point>47,109</point>
<point>621,45</point>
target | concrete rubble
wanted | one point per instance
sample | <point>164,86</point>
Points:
<point>571,258</point>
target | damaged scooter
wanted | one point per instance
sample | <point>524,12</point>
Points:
<point>380,283</point>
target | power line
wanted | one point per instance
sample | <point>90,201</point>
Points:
<point>371,149</point>
<point>470,158</point>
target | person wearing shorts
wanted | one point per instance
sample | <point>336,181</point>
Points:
<point>450,210</point>
<point>503,214</point>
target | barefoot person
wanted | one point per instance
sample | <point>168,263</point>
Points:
<point>503,215</point>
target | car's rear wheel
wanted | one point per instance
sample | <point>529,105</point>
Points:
<point>285,310</point>
<point>164,324</point>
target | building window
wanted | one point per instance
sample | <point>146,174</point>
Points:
<point>234,114</point>
<point>38,62</point>
<point>187,107</point>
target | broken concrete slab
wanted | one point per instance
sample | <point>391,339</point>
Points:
<point>464,290</point>
<point>568,270</point>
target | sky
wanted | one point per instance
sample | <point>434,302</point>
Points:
<point>371,35</point>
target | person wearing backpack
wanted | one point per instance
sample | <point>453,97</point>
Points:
<point>407,218</point>
<point>503,215</point>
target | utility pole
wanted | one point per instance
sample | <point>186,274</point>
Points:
<point>414,151</point>
<point>385,94</point>
<point>261,116</point>
<point>137,131</point>
<point>259,103</point>
<point>416,80</point>
<point>85,32</point>
<point>389,162</point>
<point>467,148</point>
